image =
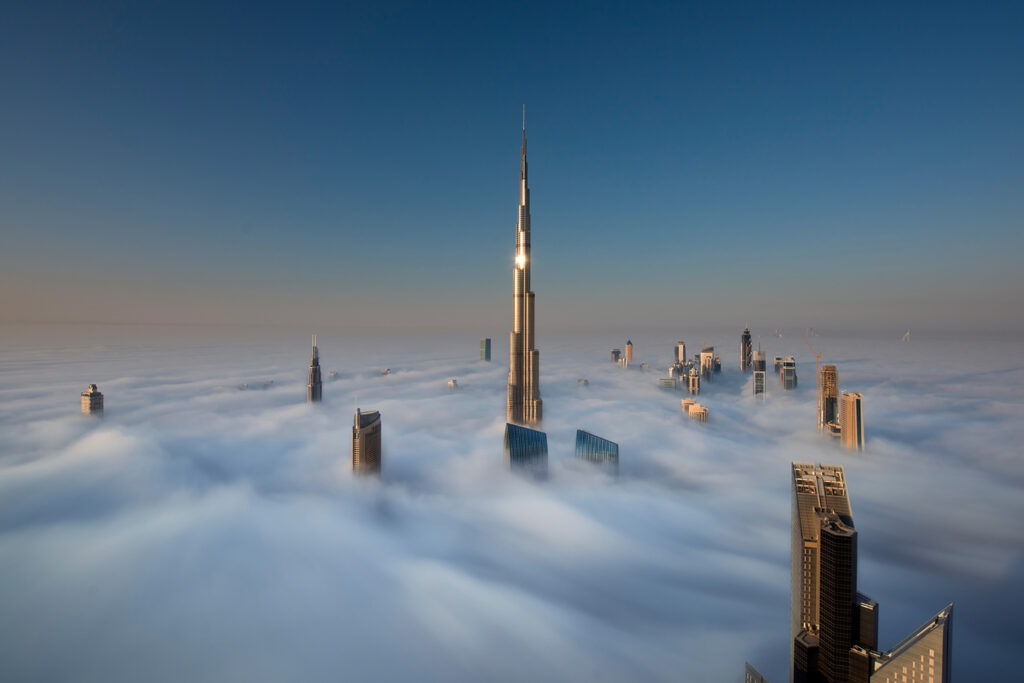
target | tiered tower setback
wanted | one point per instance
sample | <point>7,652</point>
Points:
<point>524,402</point>
<point>314,385</point>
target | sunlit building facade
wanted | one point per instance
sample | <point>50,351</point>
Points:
<point>629,351</point>
<point>92,401</point>
<point>524,405</point>
<point>828,396</point>
<point>787,373</point>
<point>707,361</point>
<point>851,420</point>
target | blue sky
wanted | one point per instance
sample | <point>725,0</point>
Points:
<point>829,165</point>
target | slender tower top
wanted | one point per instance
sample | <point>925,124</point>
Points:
<point>315,350</point>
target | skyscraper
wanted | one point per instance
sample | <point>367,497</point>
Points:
<point>485,349</point>
<point>746,350</point>
<point>92,401</point>
<point>366,439</point>
<point>828,396</point>
<point>693,382</point>
<point>680,352</point>
<point>787,373</point>
<point>818,491</point>
<point>616,355</point>
<point>314,387</point>
<point>524,402</point>
<point>593,448</point>
<point>834,628</point>
<point>759,360</point>
<point>526,449</point>
<point>851,419</point>
<point>629,351</point>
<point>759,383</point>
<point>707,361</point>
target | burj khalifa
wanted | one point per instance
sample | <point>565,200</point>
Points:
<point>524,402</point>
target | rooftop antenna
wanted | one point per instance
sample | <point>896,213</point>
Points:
<point>524,118</point>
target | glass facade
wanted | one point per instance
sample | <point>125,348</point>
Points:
<point>595,449</point>
<point>525,448</point>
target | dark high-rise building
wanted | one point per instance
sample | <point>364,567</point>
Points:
<point>759,360</point>
<point>593,448</point>
<point>366,438</point>
<point>746,350</point>
<point>680,352</point>
<point>92,401</point>
<point>759,382</point>
<point>828,396</point>
<point>485,349</point>
<point>818,491</point>
<point>787,373</point>
<point>834,628</point>
<point>616,355</point>
<point>526,449</point>
<point>314,385</point>
<point>524,402</point>
<point>837,581</point>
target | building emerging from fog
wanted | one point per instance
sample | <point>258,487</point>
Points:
<point>833,628</point>
<point>616,355</point>
<point>693,382</point>
<point>759,383</point>
<point>828,396</point>
<point>524,402</point>
<point>526,449</point>
<point>92,401</point>
<point>314,385</point>
<point>707,361</point>
<point>851,421</point>
<point>680,352</point>
<point>593,448</point>
<point>787,373</point>
<point>485,349</point>
<point>629,351</point>
<point>366,442</point>
<point>746,350</point>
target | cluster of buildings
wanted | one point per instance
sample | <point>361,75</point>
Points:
<point>833,627</point>
<point>695,410</point>
<point>526,450</point>
<point>840,414</point>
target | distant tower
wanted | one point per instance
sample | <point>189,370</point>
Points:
<point>92,401</point>
<point>485,349</point>
<point>758,363</point>
<point>616,355</point>
<point>366,442</point>
<point>787,373</point>
<point>693,382</point>
<point>524,405</point>
<point>629,352</point>
<point>837,581</point>
<point>851,420</point>
<point>707,361</point>
<point>828,396</point>
<point>746,350</point>
<point>314,387</point>
<point>680,352</point>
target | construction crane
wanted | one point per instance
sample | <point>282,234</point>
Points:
<point>817,378</point>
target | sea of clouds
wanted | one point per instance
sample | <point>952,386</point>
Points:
<point>203,532</point>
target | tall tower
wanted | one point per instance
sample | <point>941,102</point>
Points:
<point>746,350</point>
<point>524,402</point>
<point>314,387</point>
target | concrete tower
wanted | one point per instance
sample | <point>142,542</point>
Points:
<point>524,402</point>
<point>828,396</point>
<point>851,417</point>
<point>314,387</point>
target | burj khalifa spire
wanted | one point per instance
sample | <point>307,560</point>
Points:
<point>524,402</point>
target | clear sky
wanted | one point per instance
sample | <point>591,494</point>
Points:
<point>832,164</point>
